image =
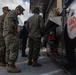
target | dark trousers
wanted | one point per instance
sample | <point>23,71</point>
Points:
<point>70,45</point>
<point>24,42</point>
<point>34,48</point>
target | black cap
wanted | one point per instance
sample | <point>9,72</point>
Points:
<point>21,8</point>
<point>6,8</point>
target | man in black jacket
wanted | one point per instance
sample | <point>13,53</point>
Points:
<point>23,36</point>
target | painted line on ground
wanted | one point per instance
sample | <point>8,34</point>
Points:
<point>53,72</point>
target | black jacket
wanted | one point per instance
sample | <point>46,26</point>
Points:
<point>23,33</point>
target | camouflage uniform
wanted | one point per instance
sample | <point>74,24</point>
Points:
<point>10,36</point>
<point>35,27</point>
<point>2,42</point>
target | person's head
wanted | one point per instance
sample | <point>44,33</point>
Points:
<point>19,10</point>
<point>25,22</point>
<point>5,10</point>
<point>36,10</point>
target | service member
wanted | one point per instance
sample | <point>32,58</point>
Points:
<point>35,27</point>
<point>2,42</point>
<point>11,38</point>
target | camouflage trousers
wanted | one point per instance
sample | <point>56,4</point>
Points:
<point>2,49</point>
<point>12,48</point>
<point>34,48</point>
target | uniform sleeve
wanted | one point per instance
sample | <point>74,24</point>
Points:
<point>1,24</point>
<point>11,25</point>
<point>42,25</point>
<point>1,21</point>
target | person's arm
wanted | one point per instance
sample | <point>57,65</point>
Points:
<point>21,34</point>
<point>42,25</point>
<point>1,20</point>
<point>11,25</point>
<point>27,26</point>
<point>1,25</point>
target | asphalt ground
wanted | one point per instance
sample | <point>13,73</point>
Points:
<point>49,67</point>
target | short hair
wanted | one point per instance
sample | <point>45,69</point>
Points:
<point>25,22</point>
<point>36,9</point>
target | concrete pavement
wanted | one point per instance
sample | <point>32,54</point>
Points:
<point>49,67</point>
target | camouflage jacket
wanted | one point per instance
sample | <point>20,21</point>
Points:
<point>35,26</point>
<point>10,24</point>
<point>1,25</point>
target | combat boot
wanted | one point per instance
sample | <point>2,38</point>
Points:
<point>29,62</point>
<point>12,69</point>
<point>2,64</point>
<point>36,64</point>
